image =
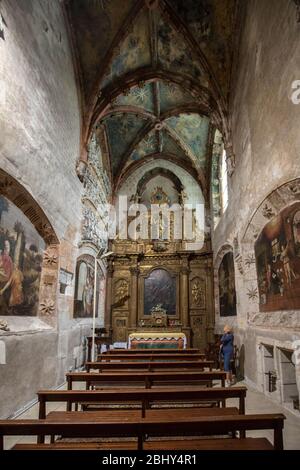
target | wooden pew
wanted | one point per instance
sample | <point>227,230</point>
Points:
<point>146,365</point>
<point>148,379</point>
<point>143,428</point>
<point>154,351</point>
<point>248,444</point>
<point>143,397</point>
<point>149,357</point>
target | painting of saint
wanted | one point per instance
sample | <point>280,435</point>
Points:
<point>227,293</point>
<point>277,252</point>
<point>160,288</point>
<point>84,288</point>
<point>21,257</point>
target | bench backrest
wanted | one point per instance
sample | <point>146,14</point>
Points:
<point>152,365</point>
<point>140,428</point>
<point>142,396</point>
<point>150,357</point>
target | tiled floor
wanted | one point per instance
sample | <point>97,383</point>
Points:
<point>256,402</point>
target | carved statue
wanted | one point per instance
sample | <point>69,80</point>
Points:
<point>198,294</point>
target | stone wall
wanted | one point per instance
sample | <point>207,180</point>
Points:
<point>266,141</point>
<point>40,144</point>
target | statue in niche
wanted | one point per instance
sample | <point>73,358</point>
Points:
<point>198,295</point>
<point>121,292</point>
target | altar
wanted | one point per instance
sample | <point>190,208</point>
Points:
<point>157,340</point>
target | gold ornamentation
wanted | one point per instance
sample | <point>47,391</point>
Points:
<point>159,196</point>
<point>198,294</point>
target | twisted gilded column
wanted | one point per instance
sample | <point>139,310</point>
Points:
<point>184,296</point>
<point>108,300</point>
<point>134,271</point>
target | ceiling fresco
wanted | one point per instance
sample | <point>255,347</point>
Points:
<point>94,25</point>
<point>141,97</point>
<point>134,52</point>
<point>121,132</point>
<point>153,73</point>
<point>174,55</point>
<point>192,129</point>
<point>172,96</point>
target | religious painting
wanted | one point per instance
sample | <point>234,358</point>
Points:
<point>84,288</point>
<point>160,288</point>
<point>227,292</point>
<point>277,253</point>
<point>21,259</point>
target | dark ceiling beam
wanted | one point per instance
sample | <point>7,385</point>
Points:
<point>198,176</point>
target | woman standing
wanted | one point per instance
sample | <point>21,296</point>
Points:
<point>227,351</point>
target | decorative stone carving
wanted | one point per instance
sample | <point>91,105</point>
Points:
<point>81,170</point>
<point>252,293</point>
<point>91,230</point>
<point>4,325</point>
<point>50,258</point>
<point>268,212</point>
<point>47,307</point>
<point>239,263</point>
<point>249,260</point>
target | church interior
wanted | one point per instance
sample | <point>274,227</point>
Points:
<point>112,112</point>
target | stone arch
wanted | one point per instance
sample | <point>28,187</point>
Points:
<point>41,267</point>
<point>280,198</point>
<point>158,172</point>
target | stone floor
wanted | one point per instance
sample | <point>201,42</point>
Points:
<point>256,402</point>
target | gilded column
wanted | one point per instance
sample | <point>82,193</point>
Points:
<point>134,271</point>
<point>108,302</point>
<point>184,296</point>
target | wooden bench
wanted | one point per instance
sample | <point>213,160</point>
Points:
<point>150,357</point>
<point>154,351</point>
<point>247,444</point>
<point>146,379</point>
<point>146,365</point>
<point>144,398</point>
<point>145,428</point>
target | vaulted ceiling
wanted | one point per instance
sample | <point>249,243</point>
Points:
<point>156,75</point>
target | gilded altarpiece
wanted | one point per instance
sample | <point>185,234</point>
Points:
<point>188,273</point>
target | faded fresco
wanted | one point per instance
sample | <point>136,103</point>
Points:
<point>277,252</point>
<point>84,288</point>
<point>122,131</point>
<point>134,51</point>
<point>174,54</point>
<point>172,96</point>
<point>227,292</point>
<point>139,96</point>
<point>160,288</point>
<point>21,258</point>
<point>193,130</point>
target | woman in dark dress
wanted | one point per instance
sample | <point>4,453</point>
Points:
<point>227,350</point>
